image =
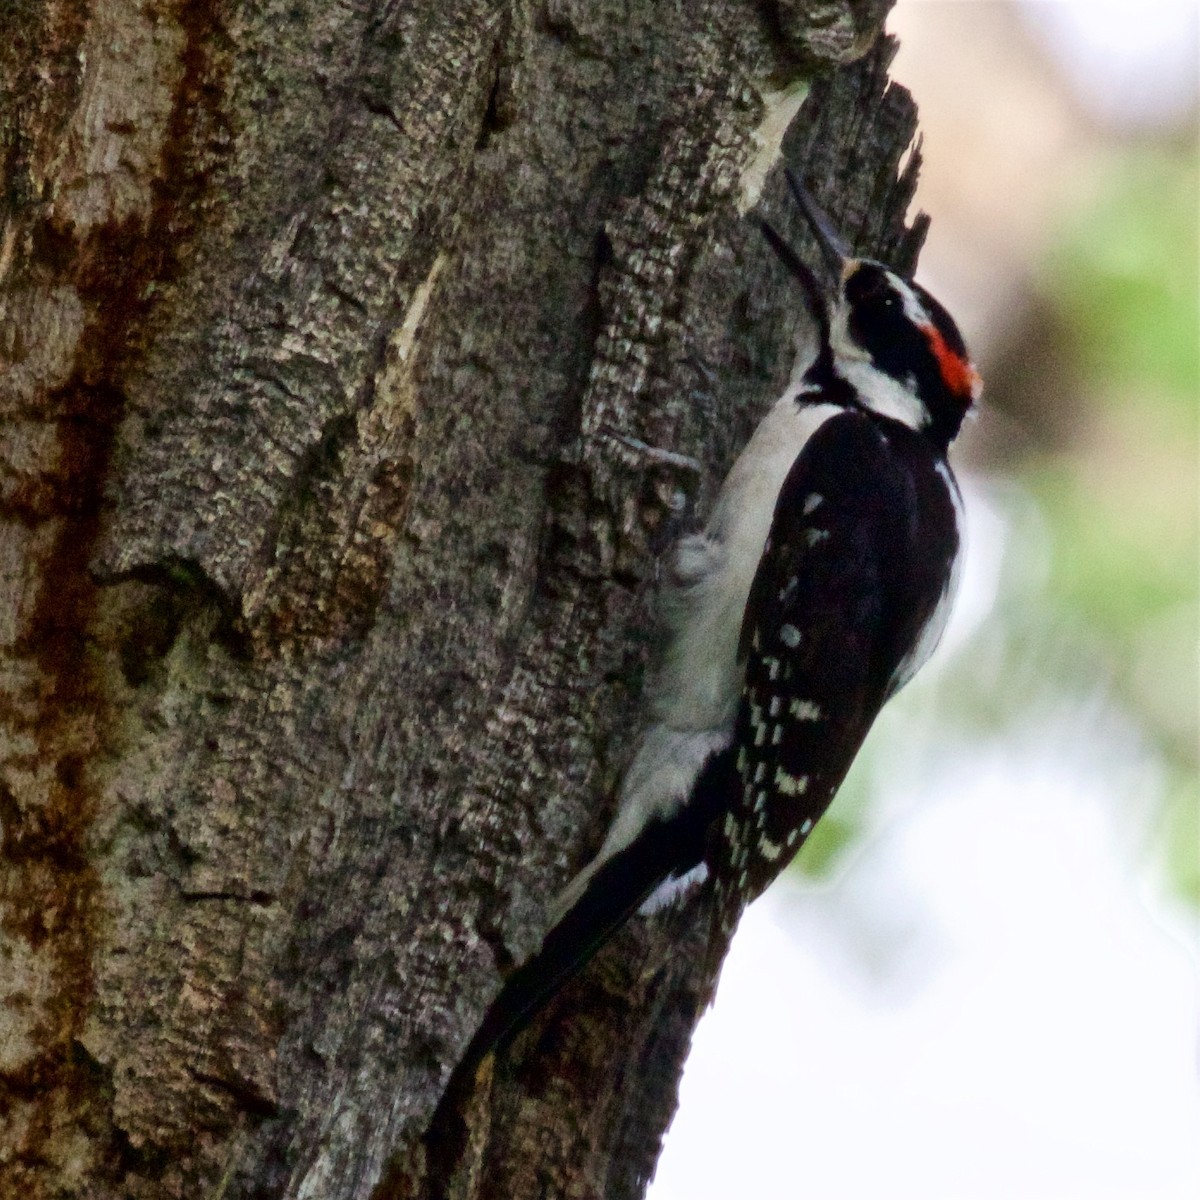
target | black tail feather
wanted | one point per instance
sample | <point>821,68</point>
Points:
<point>614,894</point>
<point>616,891</point>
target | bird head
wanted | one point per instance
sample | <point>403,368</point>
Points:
<point>883,333</point>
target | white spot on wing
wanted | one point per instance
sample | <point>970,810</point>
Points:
<point>791,785</point>
<point>789,635</point>
<point>769,850</point>
<point>804,710</point>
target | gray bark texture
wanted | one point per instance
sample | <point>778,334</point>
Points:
<point>326,595</point>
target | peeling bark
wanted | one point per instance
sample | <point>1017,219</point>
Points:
<point>325,596</point>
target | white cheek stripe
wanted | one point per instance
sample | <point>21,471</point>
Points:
<point>879,391</point>
<point>914,310</point>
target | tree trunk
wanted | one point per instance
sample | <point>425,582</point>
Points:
<point>325,595</point>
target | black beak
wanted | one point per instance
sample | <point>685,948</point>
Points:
<point>833,246</point>
<point>814,297</point>
<point>833,249</point>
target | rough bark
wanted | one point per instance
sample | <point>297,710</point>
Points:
<point>325,596</point>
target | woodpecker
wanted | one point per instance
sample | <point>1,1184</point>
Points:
<point>820,584</point>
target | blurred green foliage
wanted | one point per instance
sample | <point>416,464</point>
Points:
<point>1125,270</point>
<point>1122,504</point>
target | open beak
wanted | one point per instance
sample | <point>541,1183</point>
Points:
<point>833,247</point>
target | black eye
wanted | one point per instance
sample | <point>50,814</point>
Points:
<point>877,322</point>
<point>869,285</point>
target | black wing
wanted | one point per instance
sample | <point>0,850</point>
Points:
<point>859,555</point>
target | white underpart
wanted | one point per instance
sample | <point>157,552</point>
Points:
<point>700,682</point>
<point>694,696</point>
<point>928,640</point>
<point>673,888</point>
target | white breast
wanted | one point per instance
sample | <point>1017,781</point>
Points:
<point>695,693</point>
<point>699,684</point>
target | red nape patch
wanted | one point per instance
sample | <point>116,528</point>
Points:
<point>957,372</point>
